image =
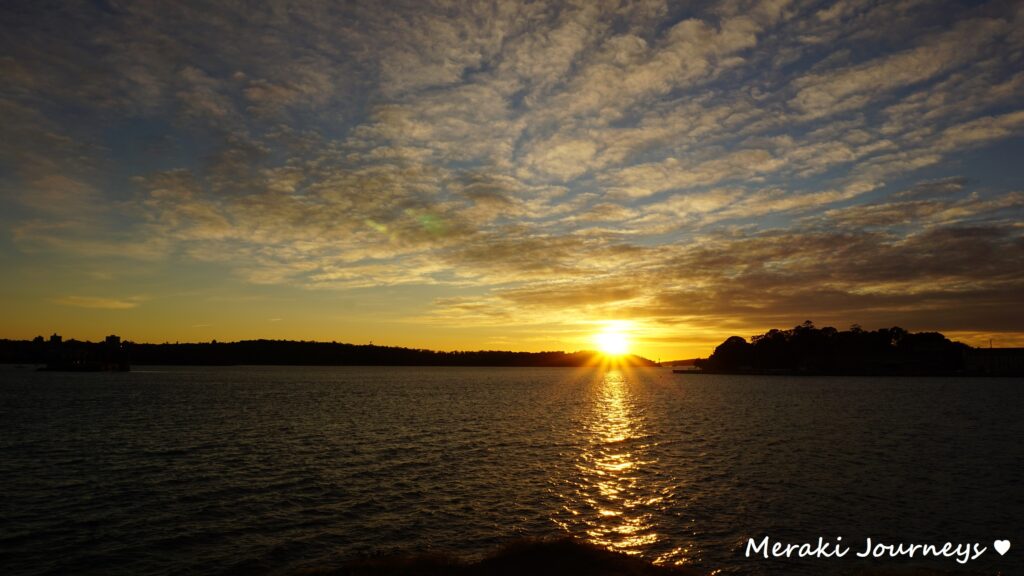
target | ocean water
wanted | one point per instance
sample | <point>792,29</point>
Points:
<point>186,470</point>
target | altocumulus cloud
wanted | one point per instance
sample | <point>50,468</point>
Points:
<point>741,163</point>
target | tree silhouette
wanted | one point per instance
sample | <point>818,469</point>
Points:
<point>805,349</point>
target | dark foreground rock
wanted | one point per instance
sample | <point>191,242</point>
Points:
<point>569,557</point>
<point>562,557</point>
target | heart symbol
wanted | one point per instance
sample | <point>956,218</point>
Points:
<point>1001,546</point>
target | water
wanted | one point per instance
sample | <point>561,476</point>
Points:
<point>271,470</point>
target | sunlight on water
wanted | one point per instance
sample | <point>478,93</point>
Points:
<point>317,464</point>
<point>610,502</point>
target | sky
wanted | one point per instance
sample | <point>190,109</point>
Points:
<point>511,175</point>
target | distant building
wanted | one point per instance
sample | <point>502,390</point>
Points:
<point>995,361</point>
<point>74,356</point>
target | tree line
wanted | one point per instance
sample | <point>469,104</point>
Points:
<point>286,352</point>
<point>806,349</point>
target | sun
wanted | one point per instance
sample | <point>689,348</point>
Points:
<point>612,343</point>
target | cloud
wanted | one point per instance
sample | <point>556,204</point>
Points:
<point>98,302</point>
<point>627,69</point>
<point>701,165</point>
<point>981,130</point>
<point>672,174</point>
<point>909,262</point>
<point>934,188</point>
<point>203,97</point>
<point>855,86</point>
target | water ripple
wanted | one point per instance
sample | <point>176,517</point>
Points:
<point>268,470</point>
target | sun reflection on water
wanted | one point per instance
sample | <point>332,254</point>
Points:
<point>609,502</point>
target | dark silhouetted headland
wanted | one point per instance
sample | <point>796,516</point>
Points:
<point>806,349</point>
<point>58,354</point>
